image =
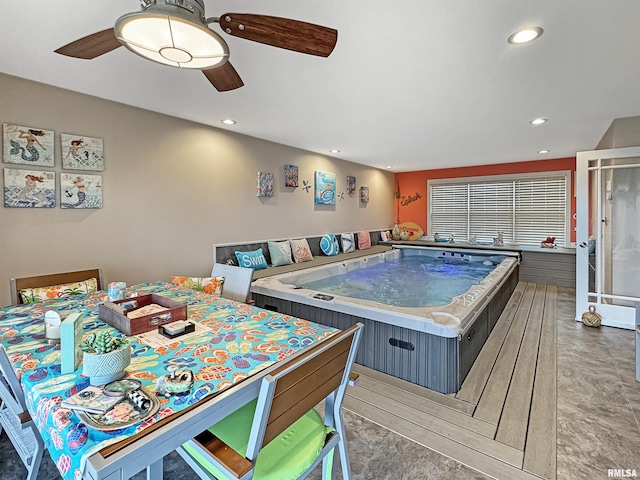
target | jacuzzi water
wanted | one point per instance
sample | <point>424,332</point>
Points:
<point>409,281</point>
<point>449,307</point>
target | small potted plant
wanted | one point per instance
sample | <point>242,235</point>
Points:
<point>104,357</point>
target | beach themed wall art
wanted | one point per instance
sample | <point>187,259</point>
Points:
<point>290,175</point>
<point>80,191</point>
<point>351,184</point>
<point>80,152</point>
<point>29,188</point>
<point>27,145</point>
<point>325,188</point>
<point>265,184</point>
<point>364,194</point>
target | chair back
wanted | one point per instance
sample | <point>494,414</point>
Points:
<point>39,281</point>
<point>10,389</point>
<point>299,385</point>
<point>16,421</point>
<point>237,281</point>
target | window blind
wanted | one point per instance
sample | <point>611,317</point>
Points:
<point>526,209</point>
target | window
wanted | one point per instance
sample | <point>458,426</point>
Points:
<point>526,209</point>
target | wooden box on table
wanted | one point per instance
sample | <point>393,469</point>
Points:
<point>115,313</point>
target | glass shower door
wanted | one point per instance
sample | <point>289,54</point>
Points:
<point>608,234</point>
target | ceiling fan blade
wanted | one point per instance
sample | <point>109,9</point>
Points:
<point>279,32</point>
<point>224,78</point>
<point>91,46</point>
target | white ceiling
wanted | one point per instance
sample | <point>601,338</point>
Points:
<point>416,84</point>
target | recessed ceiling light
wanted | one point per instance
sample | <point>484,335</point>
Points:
<point>334,151</point>
<point>544,151</point>
<point>525,35</point>
<point>389,166</point>
<point>538,121</point>
<point>228,121</point>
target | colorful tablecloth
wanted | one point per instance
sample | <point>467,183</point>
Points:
<point>240,340</point>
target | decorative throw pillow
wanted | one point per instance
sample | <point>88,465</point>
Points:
<point>280,253</point>
<point>348,244</point>
<point>385,236</point>
<point>301,250</point>
<point>210,285</point>
<point>329,245</point>
<point>30,295</point>
<point>254,259</point>
<point>364,240</point>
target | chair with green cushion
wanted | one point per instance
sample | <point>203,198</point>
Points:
<point>280,436</point>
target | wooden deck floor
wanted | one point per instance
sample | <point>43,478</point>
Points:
<point>502,422</point>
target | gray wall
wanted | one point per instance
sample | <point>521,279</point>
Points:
<point>623,132</point>
<point>172,189</point>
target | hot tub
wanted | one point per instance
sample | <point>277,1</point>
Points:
<point>430,344</point>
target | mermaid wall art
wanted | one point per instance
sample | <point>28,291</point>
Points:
<point>80,152</point>
<point>80,191</point>
<point>28,145</point>
<point>29,188</point>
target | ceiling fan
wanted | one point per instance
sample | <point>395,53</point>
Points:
<point>177,33</point>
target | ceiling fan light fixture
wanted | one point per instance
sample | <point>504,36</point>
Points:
<point>172,34</point>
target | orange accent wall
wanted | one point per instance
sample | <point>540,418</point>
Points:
<point>411,183</point>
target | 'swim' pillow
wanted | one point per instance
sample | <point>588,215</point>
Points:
<point>30,295</point>
<point>329,245</point>
<point>280,253</point>
<point>254,259</point>
<point>301,250</point>
<point>348,242</point>
<point>210,285</point>
<point>364,240</point>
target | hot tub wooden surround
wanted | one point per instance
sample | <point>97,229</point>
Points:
<point>502,422</point>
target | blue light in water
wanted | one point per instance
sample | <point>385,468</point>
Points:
<point>410,281</point>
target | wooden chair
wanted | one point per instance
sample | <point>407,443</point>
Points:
<point>237,281</point>
<point>16,421</point>
<point>18,284</point>
<point>281,435</point>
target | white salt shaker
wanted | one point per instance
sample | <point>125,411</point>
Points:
<point>52,322</point>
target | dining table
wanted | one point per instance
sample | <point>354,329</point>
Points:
<point>233,348</point>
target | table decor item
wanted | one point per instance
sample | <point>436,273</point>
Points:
<point>119,313</point>
<point>70,340</point>
<point>116,291</point>
<point>134,407</point>
<point>52,324</point>
<point>174,383</point>
<point>105,357</point>
<point>118,388</point>
<point>91,399</point>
